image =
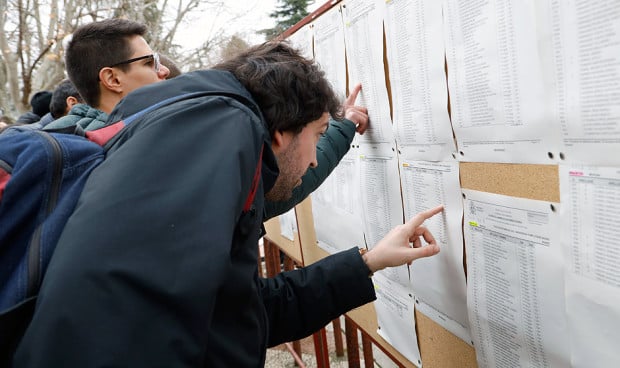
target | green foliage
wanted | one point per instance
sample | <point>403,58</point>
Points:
<point>287,14</point>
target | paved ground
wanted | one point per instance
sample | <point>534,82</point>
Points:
<point>280,357</point>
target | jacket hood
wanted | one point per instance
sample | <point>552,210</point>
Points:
<point>88,118</point>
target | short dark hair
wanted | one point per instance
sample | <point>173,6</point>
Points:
<point>96,45</point>
<point>290,89</point>
<point>40,102</point>
<point>64,89</point>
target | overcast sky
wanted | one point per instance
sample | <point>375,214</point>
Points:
<point>246,17</point>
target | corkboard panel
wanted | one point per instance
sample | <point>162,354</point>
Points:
<point>290,247</point>
<point>307,236</point>
<point>541,182</point>
<point>438,347</point>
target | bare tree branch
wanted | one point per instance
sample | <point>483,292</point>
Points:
<point>32,50</point>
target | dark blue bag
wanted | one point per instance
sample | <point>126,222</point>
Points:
<point>41,177</point>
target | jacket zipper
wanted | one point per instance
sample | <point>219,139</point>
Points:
<point>34,250</point>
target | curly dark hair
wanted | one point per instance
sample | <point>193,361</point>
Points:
<point>96,45</point>
<point>290,89</point>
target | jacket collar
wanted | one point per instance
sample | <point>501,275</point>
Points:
<point>270,170</point>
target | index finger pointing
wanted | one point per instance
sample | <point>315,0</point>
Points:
<point>353,96</point>
<point>418,219</point>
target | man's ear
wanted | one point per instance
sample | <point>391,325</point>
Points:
<point>70,102</point>
<point>280,140</point>
<point>108,77</point>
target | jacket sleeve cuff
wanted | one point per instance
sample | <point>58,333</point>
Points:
<point>355,287</point>
<point>348,128</point>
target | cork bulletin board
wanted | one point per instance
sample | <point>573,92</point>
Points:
<point>438,347</point>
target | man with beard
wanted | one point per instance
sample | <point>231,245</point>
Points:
<point>157,266</point>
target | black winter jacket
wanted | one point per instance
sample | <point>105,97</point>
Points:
<point>157,266</point>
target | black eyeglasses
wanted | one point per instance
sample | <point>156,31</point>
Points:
<point>154,56</point>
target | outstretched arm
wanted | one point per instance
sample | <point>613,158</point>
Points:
<point>314,295</point>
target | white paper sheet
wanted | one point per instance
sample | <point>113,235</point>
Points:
<point>303,40</point>
<point>415,53</point>
<point>396,317</point>
<point>497,91</point>
<point>591,240</point>
<point>329,48</point>
<point>288,224</point>
<point>439,281</point>
<point>363,20</point>
<point>381,201</point>
<point>336,207</point>
<point>585,53</point>
<point>515,281</point>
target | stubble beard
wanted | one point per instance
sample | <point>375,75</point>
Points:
<point>282,189</point>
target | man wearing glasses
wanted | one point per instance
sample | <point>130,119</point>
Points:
<point>127,62</point>
<point>106,61</point>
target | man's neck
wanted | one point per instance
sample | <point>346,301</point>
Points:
<point>107,108</point>
<point>108,101</point>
